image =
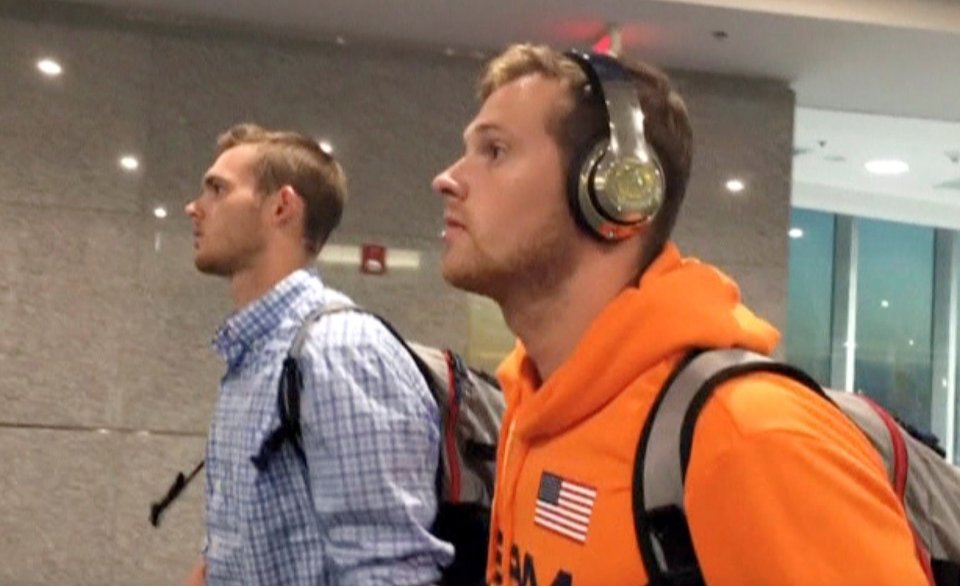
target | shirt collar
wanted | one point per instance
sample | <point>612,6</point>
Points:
<point>262,316</point>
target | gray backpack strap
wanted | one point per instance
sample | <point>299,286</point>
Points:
<point>663,454</point>
<point>928,485</point>
<point>296,348</point>
<point>290,387</point>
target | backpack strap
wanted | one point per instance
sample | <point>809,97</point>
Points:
<point>455,379</point>
<point>901,467</point>
<point>660,522</point>
<point>290,387</point>
<point>291,382</point>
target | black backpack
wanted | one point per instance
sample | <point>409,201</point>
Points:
<point>471,407</point>
<point>927,485</point>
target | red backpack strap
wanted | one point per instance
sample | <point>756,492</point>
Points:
<point>901,467</point>
<point>450,427</point>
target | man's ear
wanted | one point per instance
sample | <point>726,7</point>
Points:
<point>287,205</point>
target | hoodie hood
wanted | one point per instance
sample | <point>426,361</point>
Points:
<point>680,304</point>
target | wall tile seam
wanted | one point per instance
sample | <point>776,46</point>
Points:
<point>10,425</point>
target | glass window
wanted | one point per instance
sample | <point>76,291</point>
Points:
<point>894,317</point>
<point>810,292</point>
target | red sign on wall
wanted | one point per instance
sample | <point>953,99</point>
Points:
<point>373,259</point>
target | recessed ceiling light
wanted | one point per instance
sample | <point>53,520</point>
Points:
<point>326,146</point>
<point>910,341</point>
<point>341,41</point>
<point>49,67</point>
<point>884,304</point>
<point>160,212</point>
<point>796,233</point>
<point>886,167</point>
<point>735,186</point>
<point>129,163</point>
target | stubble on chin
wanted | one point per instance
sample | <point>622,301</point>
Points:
<point>537,266</point>
<point>212,267</point>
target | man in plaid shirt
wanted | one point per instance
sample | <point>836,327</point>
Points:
<point>359,512</point>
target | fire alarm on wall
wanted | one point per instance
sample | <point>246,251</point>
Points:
<point>373,259</point>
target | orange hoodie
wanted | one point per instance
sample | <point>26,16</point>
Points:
<point>781,489</point>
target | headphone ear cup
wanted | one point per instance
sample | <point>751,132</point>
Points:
<point>627,191</point>
<point>580,184</point>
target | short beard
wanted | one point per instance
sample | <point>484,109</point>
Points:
<point>215,267</point>
<point>539,266</point>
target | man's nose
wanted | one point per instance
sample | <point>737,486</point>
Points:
<point>447,183</point>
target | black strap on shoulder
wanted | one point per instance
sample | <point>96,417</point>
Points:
<point>288,406</point>
<point>663,455</point>
<point>652,530</point>
<point>291,384</point>
<point>289,391</point>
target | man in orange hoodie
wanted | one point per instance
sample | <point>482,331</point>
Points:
<point>560,210</point>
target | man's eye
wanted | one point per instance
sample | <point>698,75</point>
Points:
<point>495,151</point>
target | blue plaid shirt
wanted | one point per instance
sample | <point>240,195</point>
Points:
<point>360,512</point>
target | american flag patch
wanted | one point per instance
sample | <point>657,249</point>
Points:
<point>564,506</point>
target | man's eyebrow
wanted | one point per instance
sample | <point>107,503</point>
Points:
<point>483,128</point>
<point>212,179</point>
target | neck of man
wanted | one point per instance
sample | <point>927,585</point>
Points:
<point>272,266</point>
<point>551,323</point>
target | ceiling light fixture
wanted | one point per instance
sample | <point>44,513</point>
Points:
<point>49,67</point>
<point>735,186</point>
<point>129,163</point>
<point>160,212</point>
<point>326,146</point>
<point>796,233</point>
<point>886,167</point>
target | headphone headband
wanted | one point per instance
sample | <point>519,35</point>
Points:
<point>615,87</point>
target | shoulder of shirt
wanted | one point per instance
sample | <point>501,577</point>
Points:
<point>359,340</point>
<point>344,328</point>
<point>759,403</point>
<point>779,419</point>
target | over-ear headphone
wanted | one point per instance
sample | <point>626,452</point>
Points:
<point>617,183</point>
